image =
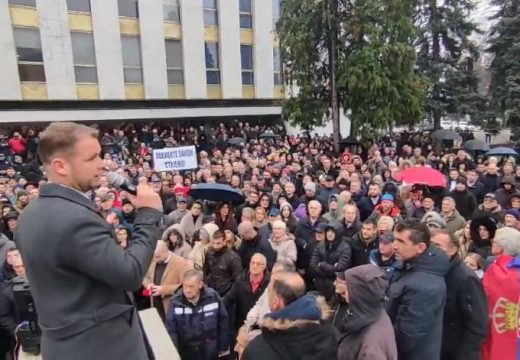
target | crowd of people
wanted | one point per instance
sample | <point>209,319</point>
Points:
<point>328,257</point>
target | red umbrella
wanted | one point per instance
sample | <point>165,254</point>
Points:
<point>422,175</point>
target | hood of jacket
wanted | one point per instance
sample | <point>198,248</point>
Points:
<point>176,227</point>
<point>488,223</point>
<point>308,309</point>
<point>338,213</point>
<point>432,261</point>
<point>4,240</point>
<point>366,285</point>
<point>210,229</point>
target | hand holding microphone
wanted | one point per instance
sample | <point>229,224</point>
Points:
<point>141,196</point>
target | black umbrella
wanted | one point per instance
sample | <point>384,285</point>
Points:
<point>446,135</point>
<point>502,151</point>
<point>349,140</point>
<point>475,145</point>
<point>237,141</point>
<point>269,135</point>
<point>216,192</point>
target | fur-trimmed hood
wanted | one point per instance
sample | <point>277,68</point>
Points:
<point>175,227</point>
<point>309,309</point>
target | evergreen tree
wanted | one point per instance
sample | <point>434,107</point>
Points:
<point>505,67</point>
<point>444,54</point>
<point>372,45</point>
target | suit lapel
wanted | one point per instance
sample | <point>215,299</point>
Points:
<point>60,191</point>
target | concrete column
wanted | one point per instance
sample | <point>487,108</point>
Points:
<point>230,66</point>
<point>107,41</point>
<point>153,50</point>
<point>194,63</point>
<point>57,49</point>
<point>263,48</point>
<point>9,79</point>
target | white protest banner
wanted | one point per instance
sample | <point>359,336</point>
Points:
<point>178,158</point>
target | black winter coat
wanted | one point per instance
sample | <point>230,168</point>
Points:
<point>295,333</point>
<point>366,207</point>
<point>361,251</point>
<point>241,298</point>
<point>221,269</point>
<point>305,239</point>
<point>328,259</point>
<point>465,314</point>
<point>250,247</point>
<point>478,190</point>
<point>349,232</point>
<point>416,305</point>
<point>465,203</point>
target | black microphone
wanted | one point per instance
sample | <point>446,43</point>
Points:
<point>121,182</point>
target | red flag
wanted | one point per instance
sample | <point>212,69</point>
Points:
<point>502,287</point>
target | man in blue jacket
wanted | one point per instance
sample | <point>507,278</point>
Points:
<point>418,295</point>
<point>197,320</point>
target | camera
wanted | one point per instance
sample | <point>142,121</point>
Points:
<point>29,333</point>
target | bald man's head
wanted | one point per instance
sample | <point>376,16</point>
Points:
<point>286,288</point>
<point>246,230</point>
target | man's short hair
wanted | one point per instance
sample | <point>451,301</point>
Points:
<point>192,274</point>
<point>218,234</point>
<point>454,242</point>
<point>419,232</point>
<point>370,222</point>
<point>62,137</point>
<point>450,200</point>
<point>286,265</point>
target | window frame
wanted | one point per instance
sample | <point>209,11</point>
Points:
<point>132,67</point>
<point>173,68</point>
<point>89,11</point>
<point>212,70</point>
<point>178,12</point>
<point>26,5</point>
<point>29,63</point>
<point>84,65</point>
<point>136,2</point>
<point>246,14</point>
<point>277,73</point>
<point>246,71</point>
<point>207,9</point>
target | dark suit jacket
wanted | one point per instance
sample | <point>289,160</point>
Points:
<point>80,277</point>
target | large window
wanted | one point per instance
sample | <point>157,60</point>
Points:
<point>22,2</point>
<point>246,53</point>
<point>210,12</point>
<point>29,52</point>
<point>212,63</point>
<point>84,55</point>
<point>277,11</point>
<point>277,66</point>
<point>171,10</point>
<point>78,5</point>
<point>128,8</point>
<point>132,65</point>
<point>246,14</point>
<point>174,61</point>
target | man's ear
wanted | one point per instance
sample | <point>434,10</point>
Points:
<point>59,166</point>
<point>421,247</point>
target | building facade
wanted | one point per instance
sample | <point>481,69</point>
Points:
<point>138,59</point>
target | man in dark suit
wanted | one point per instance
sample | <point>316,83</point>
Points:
<point>80,278</point>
